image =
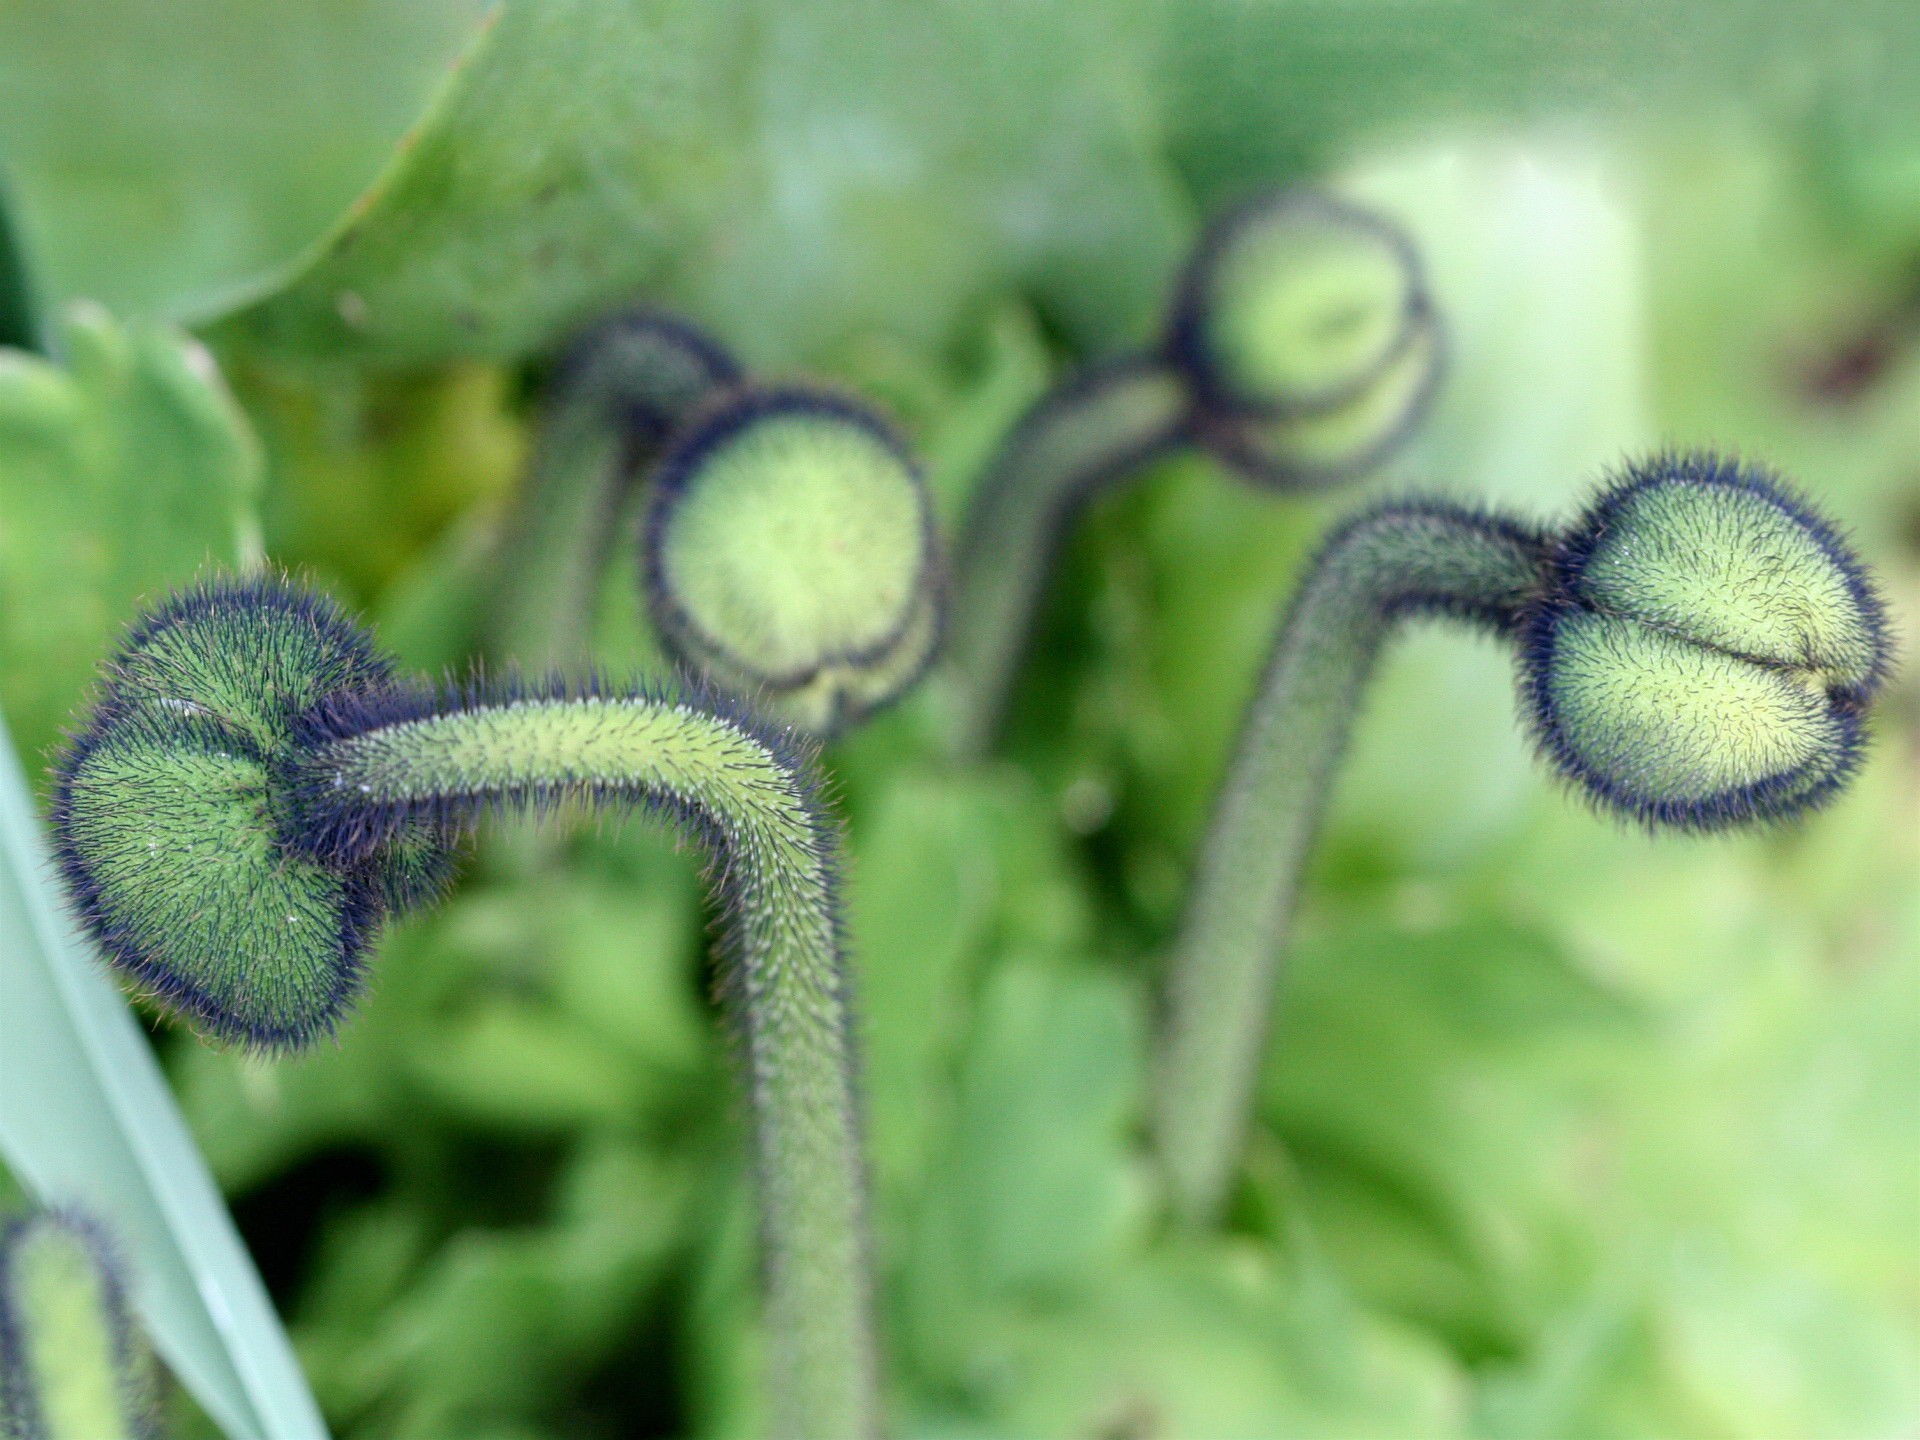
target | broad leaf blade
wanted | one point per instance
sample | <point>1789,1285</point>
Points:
<point>125,468</point>
<point>86,1116</point>
<point>167,157</point>
<point>800,176</point>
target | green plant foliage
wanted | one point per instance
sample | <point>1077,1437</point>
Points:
<point>169,161</point>
<point>1563,1135</point>
<point>123,468</point>
<point>518,211</point>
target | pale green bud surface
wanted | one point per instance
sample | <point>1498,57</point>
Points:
<point>1731,569</point>
<point>790,556</point>
<point>1707,650</point>
<point>1344,439</point>
<point>1293,304</point>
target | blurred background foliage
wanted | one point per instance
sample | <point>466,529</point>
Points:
<point>1567,1134</point>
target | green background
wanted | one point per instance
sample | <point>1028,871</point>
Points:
<point>1566,1132</point>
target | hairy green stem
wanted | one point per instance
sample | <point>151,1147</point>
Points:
<point>788,987</point>
<point>615,402</point>
<point>1398,560</point>
<point>1083,438</point>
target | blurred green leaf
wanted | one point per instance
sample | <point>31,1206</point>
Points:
<point>921,906</point>
<point>1256,88</point>
<point>170,157</point>
<point>1035,1190</point>
<point>1217,1344</point>
<point>1423,1083</point>
<point>796,175</point>
<point>123,469</point>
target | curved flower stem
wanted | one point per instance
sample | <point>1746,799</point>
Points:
<point>773,861</point>
<point>1403,558</point>
<point>615,401</point>
<point>1086,436</point>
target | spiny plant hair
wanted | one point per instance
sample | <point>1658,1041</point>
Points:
<point>342,832</point>
<point>1498,619</point>
<point>1183,344</point>
<point>337,837</point>
<point>1710,469</point>
<point>365,906</point>
<point>20,1417</point>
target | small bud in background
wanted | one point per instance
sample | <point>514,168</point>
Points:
<point>790,556</point>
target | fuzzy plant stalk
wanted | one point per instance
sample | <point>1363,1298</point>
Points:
<point>1696,651</point>
<point>618,395</point>
<point>256,791</point>
<point>1301,349</point>
<point>72,1365</point>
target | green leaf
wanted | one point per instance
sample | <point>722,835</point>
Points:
<point>1218,1343</point>
<point>1418,1077</point>
<point>125,469</point>
<point>797,175</point>
<point>169,157</point>
<point>89,1119</point>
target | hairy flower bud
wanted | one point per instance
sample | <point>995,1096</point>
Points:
<point>1706,651</point>
<point>173,823</point>
<point>1293,304</point>
<point>790,556</point>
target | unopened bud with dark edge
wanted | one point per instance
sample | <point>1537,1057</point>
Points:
<point>172,816</point>
<point>1697,650</point>
<point>1293,304</point>
<point>790,555</point>
<point>618,395</point>
<point>1706,650</point>
<point>1302,349</point>
<point>255,790</point>
<point>71,1365</point>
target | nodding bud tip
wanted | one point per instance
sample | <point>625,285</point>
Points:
<point>789,555</point>
<point>642,368</point>
<point>1706,650</point>
<point>1294,304</point>
<point>71,1367</point>
<point>173,825</point>
<point>1343,441</point>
